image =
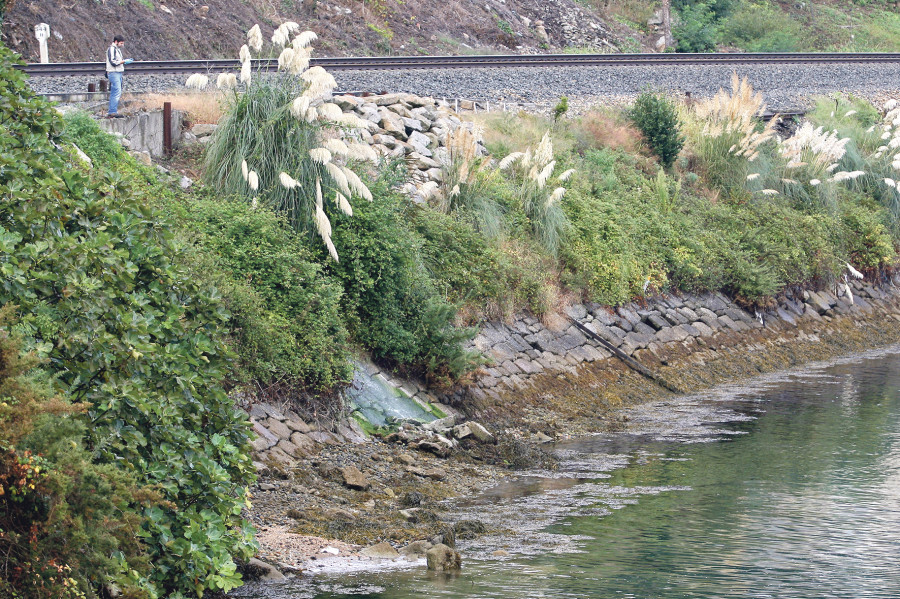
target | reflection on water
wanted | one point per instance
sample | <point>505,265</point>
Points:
<point>790,488</point>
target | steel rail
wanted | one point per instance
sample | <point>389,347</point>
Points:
<point>456,62</point>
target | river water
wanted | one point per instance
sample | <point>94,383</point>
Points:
<point>784,487</point>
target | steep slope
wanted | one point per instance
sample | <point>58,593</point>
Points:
<point>181,29</point>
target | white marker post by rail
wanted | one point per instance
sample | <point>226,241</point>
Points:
<point>42,33</point>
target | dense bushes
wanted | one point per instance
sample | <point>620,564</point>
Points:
<point>124,329</point>
<point>287,325</point>
<point>657,119</point>
<point>391,303</point>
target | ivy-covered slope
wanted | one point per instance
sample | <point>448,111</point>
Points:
<point>122,327</point>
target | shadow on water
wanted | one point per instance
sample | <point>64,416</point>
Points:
<point>788,486</point>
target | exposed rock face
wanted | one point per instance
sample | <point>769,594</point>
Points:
<point>354,479</point>
<point>442,558</point>
<point>381,551</point>
<point>649,332</point>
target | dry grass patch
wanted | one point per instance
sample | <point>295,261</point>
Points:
<point>199,107</point>
<point>603,129</point>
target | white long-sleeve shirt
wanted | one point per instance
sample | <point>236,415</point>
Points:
<point>115,62</point>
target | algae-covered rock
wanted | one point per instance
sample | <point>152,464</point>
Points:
<point>381,551</point>
<point>354,479</point>
<point>441,558</point>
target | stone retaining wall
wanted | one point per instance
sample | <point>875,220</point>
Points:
<point>651,332</point>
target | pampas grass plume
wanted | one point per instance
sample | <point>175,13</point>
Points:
<point>320,155</point>
<point>197,81</point>
<point>254,38</point>
<point>253,180</point>
<point>565,176</point>
<point>245,171</point>
<point>226,81</point>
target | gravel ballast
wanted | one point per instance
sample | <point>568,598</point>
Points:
<point>783,86</point>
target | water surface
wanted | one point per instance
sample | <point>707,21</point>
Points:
<point>786,487</point>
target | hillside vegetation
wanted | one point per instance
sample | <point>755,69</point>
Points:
<point>135,314</point>
<point>184,29</point>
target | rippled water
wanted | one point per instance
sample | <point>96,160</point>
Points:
<point>788,487</point>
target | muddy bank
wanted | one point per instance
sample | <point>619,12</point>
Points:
<point>548,380</point>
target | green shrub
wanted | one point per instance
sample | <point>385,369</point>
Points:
<point>103,149</point>
<point>392,306</point>
<point>125,329</point>
<point>761,28</point>
<point>696,29</point>
<point>287,326</point>
<point>657,119</point>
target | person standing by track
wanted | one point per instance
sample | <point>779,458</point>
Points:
<point>115,72</point>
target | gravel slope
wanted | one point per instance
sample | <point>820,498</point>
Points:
<point>783,86</point>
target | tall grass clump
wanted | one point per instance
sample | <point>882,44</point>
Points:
<point>466,183</point>
<point>726,134</point>
<point>283,142</point>
<point>657,119</point>
<point>531,171</point>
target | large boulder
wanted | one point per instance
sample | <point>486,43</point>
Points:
<point>354,479</point>
<point>381,551</point>
<point>441,558</point>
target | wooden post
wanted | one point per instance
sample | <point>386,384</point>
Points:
<point>167,128</point>
<point>104,85</point>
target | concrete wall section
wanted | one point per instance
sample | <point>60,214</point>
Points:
<point>144,131</point>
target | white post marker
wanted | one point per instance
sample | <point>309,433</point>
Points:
<point>42,33</point>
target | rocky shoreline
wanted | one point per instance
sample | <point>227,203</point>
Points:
<point>346,500</point>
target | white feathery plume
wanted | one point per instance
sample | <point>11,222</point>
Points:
<point>323,225</point>
<point>285,59</point>
<point>849,113</point>
<point>455,191</point>
<point>253,180</point>
<point>245,170</point>
<point>245,71</point>
<point>254,38</point>
<point>280,37</point>
<point>362,152</point>
<point>752,176</point>
<point>197,81</point>
<point>245,53</point>
<point>336,147</point>
<point>890,182</point>
<point>288,182</point>
<point>331,249</point>
<point>300,62</point>
<point>329,112</point>
<point>343,204</point>
<point>304,39</point>
<point>814,182</point>
<point>542,177</point>
<point>299,107</point>
<point>556,196</point>
<point>506,162</point>
<point>226,80</point>
<point>254,203</point>
<point>320,81</point>
<point>338,176</point>
<point>790,181</point>
<point>544,152</point>
<point>886,135</point>
<point>870,129</point>
<point>853,272</point>
<point>831,167</point>
<point>769,192</point>
<point>565,176</point>
<point>320,155</point>
<point>356,184</point>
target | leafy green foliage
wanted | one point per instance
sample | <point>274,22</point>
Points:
<point>696,29</point>
<point>561,108</point>
<point>393,307</point>
<point>103,148</point>
<point>287,325</point>
<point>123,328</point>
<point>657,118</point>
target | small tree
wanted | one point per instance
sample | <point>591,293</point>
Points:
<point>657,119</point>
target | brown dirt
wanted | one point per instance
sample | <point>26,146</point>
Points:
<point>187,29</point>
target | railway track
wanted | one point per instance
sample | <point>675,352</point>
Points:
<point>457,62</point>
